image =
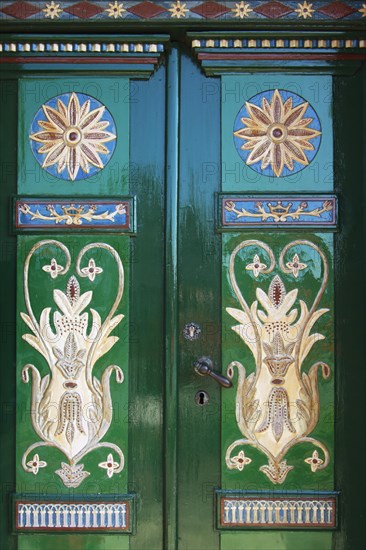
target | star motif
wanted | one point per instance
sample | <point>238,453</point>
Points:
<point>305,10</point>
<point>277,133</point>
<point>53,268</point>
<point>115,10</point>
<point>256,266</point>
<point>241,461</point>
<point>52,10</point>
<point>314,461</point>
<point>178,10</point>
<point>363,10</point>
<point>73,136</point>
<point>109,465</point>
<point>241,10</point>
<point>35,464</point>
<point>296,265</point>
<point>91,270</point>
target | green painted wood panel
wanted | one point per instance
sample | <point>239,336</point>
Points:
<point>146,472</point>
<point>66,366</point>
<point>240,177</point>
<point>284,330</point>
<point>114,95</point>
<point>236,90</point>
<point>276,541</point>
<point>141,414</point>
<point>8,149</point>
<point>199,294</point>
<point>76,542</point>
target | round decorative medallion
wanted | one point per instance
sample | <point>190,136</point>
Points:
<point>68,136</point>
<point>277,133</point>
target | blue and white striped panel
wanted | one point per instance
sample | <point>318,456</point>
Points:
<point>72,517</point>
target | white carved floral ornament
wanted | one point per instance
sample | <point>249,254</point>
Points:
<point>277,405</point>
<point>71,407</point>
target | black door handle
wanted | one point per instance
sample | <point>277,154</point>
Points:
<point>204,367</point>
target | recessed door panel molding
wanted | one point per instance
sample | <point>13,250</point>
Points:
<point>72,437</point>
<point>259,511</point>
<point>106,514</point>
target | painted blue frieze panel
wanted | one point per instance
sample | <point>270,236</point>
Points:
<point>64,214</point>
<point>277,133</point>
<point>80,516</point>
<point>278,512</point>
<point>237,211</point>
<point>73,136</point>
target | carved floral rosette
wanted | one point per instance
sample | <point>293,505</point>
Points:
<point>277,133</point>
<point>71,407</point>
<point>277,405</point>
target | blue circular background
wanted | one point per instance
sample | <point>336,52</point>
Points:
<point>296,100</point>
<point>94,104</point>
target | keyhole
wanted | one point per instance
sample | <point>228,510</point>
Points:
<point>201,398</point>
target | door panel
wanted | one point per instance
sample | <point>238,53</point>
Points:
<point>275,410</point>
<point>62,243</point>
<point>278,290</point>
<point>73,400</point>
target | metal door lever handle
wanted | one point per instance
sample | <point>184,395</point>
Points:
<point>204,367</point>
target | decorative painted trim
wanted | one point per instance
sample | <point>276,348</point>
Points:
<point>97,514</point>
<point>104,48</point>
<point>283,43</point>
<point>67,214</point>
<point>135,54</point>
<point>277,512</point>
<point>243,211</point>
<point>51,12</point>
<point>324,52</point>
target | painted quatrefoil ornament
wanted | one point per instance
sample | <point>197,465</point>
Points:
<point>68,136</point>
<point>277,133</point>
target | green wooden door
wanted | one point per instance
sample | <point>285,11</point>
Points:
<point>139,210</point>
<point>264,208</point>
<point>88,345</point>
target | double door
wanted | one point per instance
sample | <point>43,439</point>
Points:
<point>178,270</point>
